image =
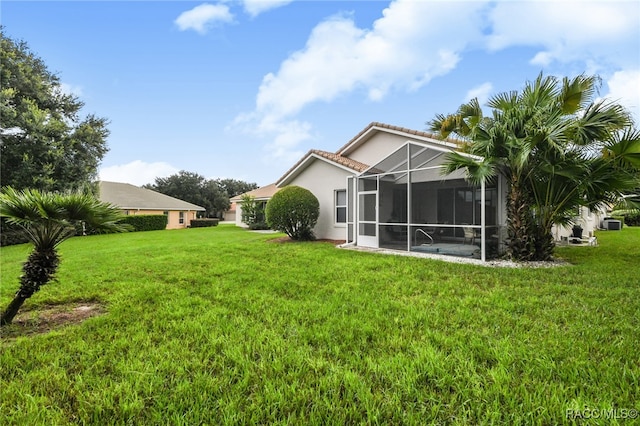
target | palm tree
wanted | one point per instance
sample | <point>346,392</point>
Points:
<point>47,220</point>
<point>556,148</point>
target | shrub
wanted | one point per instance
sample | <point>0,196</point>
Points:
<point>253,212</point>
<point>627,217</point>
<point>204,223</point>
<point>11,234</point>
<point>294,211</point>
<point>249,208</point>
<point>632,219</point>
<point>146,222</point>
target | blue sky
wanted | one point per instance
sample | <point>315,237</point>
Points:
<point>242,89</point>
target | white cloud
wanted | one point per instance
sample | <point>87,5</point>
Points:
<point>403,50</point>
<point>288,135</point>
<point>137,172</point>
<point>481,92</point>
<point>415,41</point>
<point>256,7</point>
<point>283,136</point>
<point>567,31</point>
<point>624,88</point>
<point>202,18</point>
<point>408,46</point>
<point>69,89</point>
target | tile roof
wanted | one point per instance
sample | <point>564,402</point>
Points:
<point>333,157</point>
<point>376,124</point>
<point>345,161</point>
<point>259,193</point>
<point>131,197</point>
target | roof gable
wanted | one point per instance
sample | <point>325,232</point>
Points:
<point>131,197</point>
<point>376,127</point>
<point>328,157</point>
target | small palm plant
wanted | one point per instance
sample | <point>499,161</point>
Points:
<point>47,220</point>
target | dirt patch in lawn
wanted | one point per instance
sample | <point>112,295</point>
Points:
<point>50,317</point>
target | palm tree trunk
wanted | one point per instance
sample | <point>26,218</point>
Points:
<point>11,311</point>
<point>545,243</point>
<point>521,239</point>
<point>38,270</point>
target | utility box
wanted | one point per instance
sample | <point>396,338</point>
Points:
<point>611,224</point>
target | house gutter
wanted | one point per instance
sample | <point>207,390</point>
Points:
<point>483,222</point>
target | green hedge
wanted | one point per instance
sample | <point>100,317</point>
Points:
<point>204,223</point>
<point>146,222</point>
<point>13,234</point>
<point>632,218</point>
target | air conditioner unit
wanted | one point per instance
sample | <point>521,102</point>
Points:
<point>611,224</point>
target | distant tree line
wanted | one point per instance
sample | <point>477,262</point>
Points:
<point>212,194</point>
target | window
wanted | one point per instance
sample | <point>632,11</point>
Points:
<point>181,218</point>
<point>341,205</point>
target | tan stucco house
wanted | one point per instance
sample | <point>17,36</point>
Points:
<point>384,189</point>
<point>134,200</point>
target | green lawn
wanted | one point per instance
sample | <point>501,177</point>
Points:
<point>221,326</point>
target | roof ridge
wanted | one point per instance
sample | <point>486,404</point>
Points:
<point>398,129</point>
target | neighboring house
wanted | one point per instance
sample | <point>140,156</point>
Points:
<point>134,200</point>
<point>230,215</point>
<point>261,195</point>
<point>384,189</point>
<point>589,221</point>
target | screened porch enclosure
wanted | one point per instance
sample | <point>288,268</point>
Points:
<point>405,203</point>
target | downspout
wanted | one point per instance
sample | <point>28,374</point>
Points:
<point>483,214</point>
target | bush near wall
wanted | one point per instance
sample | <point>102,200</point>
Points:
<point>204,223</point>
<point>11,234</point>
<point>146,222</point>
<point>293,210</point>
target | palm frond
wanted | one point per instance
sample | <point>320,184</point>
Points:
<point>577,93</point>
<point>624,147</point>
<point>628,203</point>
<point>49,218</point>
<point>598,121</point>
<point>503,101</point>
<point>443,125</point>
<point>19,207</point>
<point>476,170</point>
<point>540,93</point>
